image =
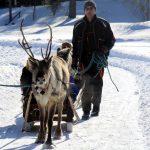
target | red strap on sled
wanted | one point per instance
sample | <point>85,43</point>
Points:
<point>81,67</point>
<point>101,72</point>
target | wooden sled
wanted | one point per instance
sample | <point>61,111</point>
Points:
<point>31,113</point>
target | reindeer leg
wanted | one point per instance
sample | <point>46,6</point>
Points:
<point>45,121</point>
<point>51,111</point>
<point>42,131</point>
<point>58,131</point>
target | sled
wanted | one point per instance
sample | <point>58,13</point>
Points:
<point>31,112</point>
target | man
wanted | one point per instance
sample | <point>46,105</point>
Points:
<point>91,35</point>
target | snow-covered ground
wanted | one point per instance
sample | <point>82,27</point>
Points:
<point>124,120</point>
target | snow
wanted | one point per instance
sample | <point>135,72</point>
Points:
<point>125,116</point>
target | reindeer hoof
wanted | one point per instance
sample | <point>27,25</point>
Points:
<point>56,137</point>
<point>48,146</point>
<point>39,141</point>
<point>58,134</point>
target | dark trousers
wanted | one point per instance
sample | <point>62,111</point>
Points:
<point>92,92</point>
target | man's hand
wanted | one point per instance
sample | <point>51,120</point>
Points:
<point>105,49</point>
<point>74,65</point>
<point>75,71</point>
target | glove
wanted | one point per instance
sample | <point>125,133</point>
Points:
<point>105,50</point>
<point>74,65</point>
<point>76,76</point>
<point>75,72</point>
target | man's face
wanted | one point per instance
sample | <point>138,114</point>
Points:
<point>90,12</point>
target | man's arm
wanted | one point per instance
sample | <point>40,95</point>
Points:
<point>74,55</point>
<point>109,41</point>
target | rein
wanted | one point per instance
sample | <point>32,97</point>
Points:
<point>16,86</point>
<point>101,62</point>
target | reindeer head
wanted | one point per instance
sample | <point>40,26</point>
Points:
<point>38,68</point>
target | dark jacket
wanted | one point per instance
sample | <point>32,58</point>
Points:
<point>89,37</point>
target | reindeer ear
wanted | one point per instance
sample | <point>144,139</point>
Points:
<point>48,61</point>
<point>31,64</point>
<point>58,49</point>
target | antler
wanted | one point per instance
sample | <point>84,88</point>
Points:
<point>42,53</point>
<point>49,45</point>
<point>24,44</point>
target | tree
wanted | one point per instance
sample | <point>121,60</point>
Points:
<point>72,9</point>
<point>147,10</point>
<point>10,10</point>
<point>54,6</point>
<point>34,9</point>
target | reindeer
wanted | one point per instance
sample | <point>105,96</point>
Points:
<point>50,85</point>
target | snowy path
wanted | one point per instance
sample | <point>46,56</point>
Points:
<point>124,121</point>
<point>139,66</point>
<point>115,128</point>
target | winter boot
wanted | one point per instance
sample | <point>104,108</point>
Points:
<point>85,116</point>
<point>95,111</point>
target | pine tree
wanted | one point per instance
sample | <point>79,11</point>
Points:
<point>72,9</point>
<point>10,10</point>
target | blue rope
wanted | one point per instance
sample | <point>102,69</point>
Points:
<point>16,86</point>
<point>101,62</point>
<point>110,75</point>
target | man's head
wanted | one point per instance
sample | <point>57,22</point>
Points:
<point>90,9</point>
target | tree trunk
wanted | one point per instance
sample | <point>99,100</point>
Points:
<point>10,10</point>
<point>15,2</point>
<point>72,9</point>
<point>148,9</point>
<point>34,10</point>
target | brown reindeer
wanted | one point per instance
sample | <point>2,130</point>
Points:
<point>50,85</point>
